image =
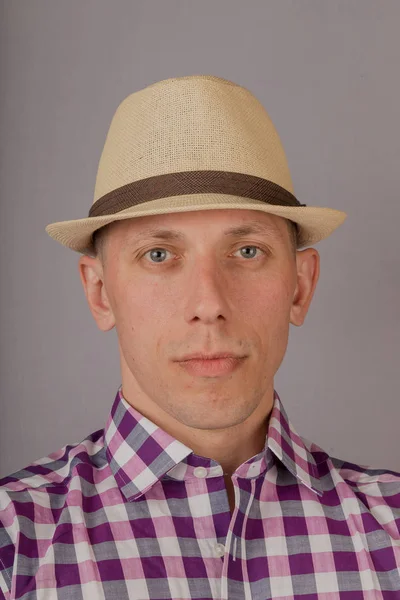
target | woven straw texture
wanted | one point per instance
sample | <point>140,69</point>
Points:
<point>192,123</point>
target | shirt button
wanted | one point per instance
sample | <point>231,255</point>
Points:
<point>220,550</point>
<point>200,472</point>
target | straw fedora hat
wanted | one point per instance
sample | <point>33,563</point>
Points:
<point>196,142</point>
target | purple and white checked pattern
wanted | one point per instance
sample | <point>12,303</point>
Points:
<point>132,513</point>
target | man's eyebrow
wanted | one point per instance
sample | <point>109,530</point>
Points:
<point>237,231</point>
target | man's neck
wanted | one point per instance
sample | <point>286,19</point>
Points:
<point>230,447</point>
<point>233,446</point>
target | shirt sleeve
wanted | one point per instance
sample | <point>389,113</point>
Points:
<point>7,549</point>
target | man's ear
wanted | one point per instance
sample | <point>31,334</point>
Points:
<point>92,277</point>
<point>308,268</point>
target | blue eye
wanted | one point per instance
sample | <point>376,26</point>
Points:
<point>257,248</point>
<point>153,252</point>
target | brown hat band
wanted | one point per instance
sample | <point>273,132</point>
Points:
<point>192,182</point>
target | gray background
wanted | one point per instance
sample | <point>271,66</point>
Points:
<point>327,73</point>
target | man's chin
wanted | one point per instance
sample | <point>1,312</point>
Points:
<point>212,415</point>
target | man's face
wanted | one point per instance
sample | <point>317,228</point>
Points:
<point>207,292</point>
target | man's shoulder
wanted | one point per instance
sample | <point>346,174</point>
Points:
<point>56,469</point>
<point>370,479</point>
<point>375,487</point>
<point>32,498</point>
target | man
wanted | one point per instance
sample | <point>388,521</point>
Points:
<point>199,485</point>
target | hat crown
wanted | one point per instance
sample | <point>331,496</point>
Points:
<point>190,123</point>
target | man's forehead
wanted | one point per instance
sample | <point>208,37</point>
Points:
<point>181,225</point>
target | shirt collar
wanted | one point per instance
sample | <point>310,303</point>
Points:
<point>140,453</point>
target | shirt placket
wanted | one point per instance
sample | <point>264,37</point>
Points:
<point>234,567</point>
<point>212,530</point>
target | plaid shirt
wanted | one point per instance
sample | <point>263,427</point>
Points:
<point>132,513</point>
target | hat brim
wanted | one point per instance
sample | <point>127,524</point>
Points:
<point>314,223</point>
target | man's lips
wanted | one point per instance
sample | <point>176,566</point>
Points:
<point>211,367</point>
<point>211,356</point>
